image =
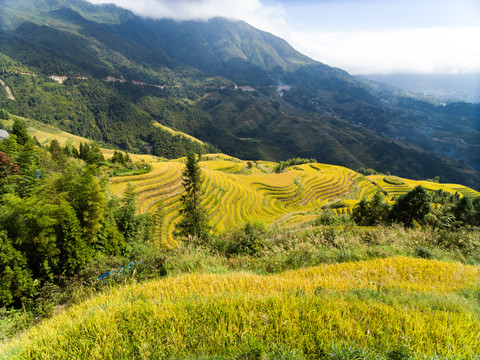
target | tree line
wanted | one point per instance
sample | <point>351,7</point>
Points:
<point>56,214</point>
<point>419,207</point>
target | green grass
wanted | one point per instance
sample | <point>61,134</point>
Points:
<point>427,308</point>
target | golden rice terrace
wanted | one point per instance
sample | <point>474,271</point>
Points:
<point>237,192</point>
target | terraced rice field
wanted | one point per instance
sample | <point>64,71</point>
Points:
<point>394,191</point>
<point>236,193</point>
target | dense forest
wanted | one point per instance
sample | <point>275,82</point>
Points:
<point>56,214</point>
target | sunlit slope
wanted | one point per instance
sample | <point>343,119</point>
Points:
<point>382,305</point>
<point>45,133</point>
<point>236,193</point>
<point>179,133</point>
<point>394,186</point>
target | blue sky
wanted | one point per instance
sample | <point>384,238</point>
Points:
<point>360,36</point>
<point>332,15</point>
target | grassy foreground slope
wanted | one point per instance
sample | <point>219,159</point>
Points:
<point>421,308</point>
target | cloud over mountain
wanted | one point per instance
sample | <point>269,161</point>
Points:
<point>252,11</point>
<point>442,48</point>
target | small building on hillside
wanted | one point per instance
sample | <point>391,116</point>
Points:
<point>246,88</point>
<point>59,79</point>
<point>3,134</point>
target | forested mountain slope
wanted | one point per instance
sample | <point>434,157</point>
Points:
<point>124,72</point>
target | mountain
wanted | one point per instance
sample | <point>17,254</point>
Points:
<point>444,88</point>
<point>244,91</point>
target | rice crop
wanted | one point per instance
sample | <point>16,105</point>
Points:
<point>235,195</point>
<point>425,307</point>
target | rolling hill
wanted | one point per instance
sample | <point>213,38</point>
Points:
<point>238,192</point>
<point>122,73</point>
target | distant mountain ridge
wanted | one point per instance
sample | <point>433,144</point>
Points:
<point>437,87</point>
<point>323,113</point>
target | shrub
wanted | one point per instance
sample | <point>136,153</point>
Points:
<point>328,218</point>
<point>424,253</point>
<point>250,240</point>
<point>393,180</point>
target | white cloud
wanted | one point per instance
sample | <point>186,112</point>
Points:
<point>420,50</point>
<point>252,11</point>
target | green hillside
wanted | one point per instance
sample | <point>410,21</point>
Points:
<point>298,260</point>
<point>201,190</point>
<point>124,72</point>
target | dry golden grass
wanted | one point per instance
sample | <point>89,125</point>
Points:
<point>377,304</point>
<point>178,133</point>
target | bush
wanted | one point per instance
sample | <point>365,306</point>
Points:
<point>393,180</point>
<point>328,218</point>
<point>424,253</point>
<point>250,240</point>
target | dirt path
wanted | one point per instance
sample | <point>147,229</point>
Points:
<point>9,91</point>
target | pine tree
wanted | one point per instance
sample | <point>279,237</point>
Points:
<point>27,157</point>
<point>194,221</point>
<point>19,129</point>
<point>58,155</point>
<point>127,221</point>
<point>464,211</point>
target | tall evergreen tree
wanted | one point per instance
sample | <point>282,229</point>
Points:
<point>127,221</point>
<point>194,221</point>
<point>19,129</point>
<point>464,211</point>
<point>28,156</point>
<point>58,155</point>
<point>10,146</point>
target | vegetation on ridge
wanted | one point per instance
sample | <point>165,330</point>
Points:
<point>86,251</point>
<point>360,264</point>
